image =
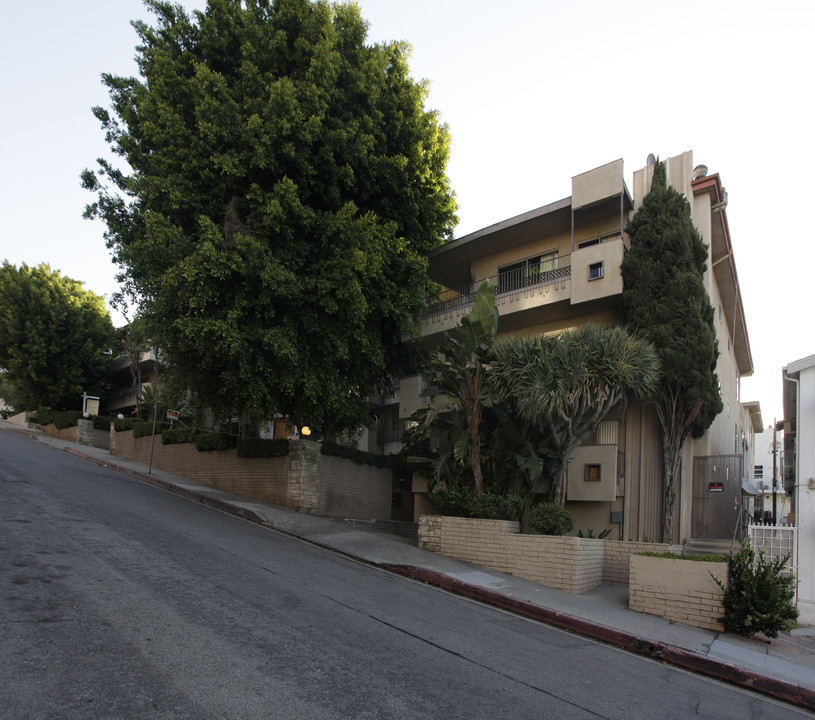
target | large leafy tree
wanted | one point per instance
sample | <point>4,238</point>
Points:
<point>55,337</point>
<point>284,183</point>
<point>570,381</point>
<point>665,300</point>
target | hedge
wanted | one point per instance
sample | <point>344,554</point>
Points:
<point>215,441</point>
<point>261,448</point>
<point>124,424</point>
<point>177,436</point>
<point>360,457</point>
<point>102,422</point>
<point>145,428</point>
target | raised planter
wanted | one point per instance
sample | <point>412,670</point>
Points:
<point>566,563</point>
<point>678,589</point>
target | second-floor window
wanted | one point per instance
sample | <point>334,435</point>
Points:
<point>526,272</point>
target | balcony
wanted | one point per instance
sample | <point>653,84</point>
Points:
<point>510,286</point>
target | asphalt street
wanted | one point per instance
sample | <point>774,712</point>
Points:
<point>120,600</point>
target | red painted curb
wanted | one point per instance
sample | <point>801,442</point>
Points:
<point>701,664</point>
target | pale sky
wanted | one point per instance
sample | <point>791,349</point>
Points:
<point>534,92</point>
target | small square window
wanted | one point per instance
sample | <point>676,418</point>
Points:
<point>595,270</point>
<point>592,473</point>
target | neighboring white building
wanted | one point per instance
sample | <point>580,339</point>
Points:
<point>799,423</point>
<point>762,478</point>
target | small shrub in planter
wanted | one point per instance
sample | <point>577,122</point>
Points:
<point>550,520</point>
<point>758,598</point>
<point>261,447</point>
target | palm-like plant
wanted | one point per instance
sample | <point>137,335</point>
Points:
<point>571,381</point>
<point>457,376</point>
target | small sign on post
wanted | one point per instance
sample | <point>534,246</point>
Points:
<point>173,415</point>
<point>90,405</point>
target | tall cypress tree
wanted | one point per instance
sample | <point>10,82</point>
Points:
<point>665,300</point>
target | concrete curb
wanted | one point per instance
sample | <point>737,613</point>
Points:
<point>701,664</point>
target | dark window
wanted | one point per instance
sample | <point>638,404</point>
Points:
<point>592,472</point>
<point>595,271</point>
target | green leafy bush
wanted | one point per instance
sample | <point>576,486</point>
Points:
<point>461,502</point>
<point>124,424</point>
<point>102,422</point>
<point>496,507</point>
<point>209,442</point>
<point>758,598</point>
<point>550,520</point>
<point>260,447</point>
<point>177,436</point>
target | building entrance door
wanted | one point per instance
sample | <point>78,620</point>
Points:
<point>716,496</point>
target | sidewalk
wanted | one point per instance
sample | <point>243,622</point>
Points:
<point>783,668</point>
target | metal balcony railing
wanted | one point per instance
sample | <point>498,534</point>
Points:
<point>506,282</point>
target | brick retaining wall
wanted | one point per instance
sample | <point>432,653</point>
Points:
<point>566,563</point>
<point>304,480</point>
<point>680,590</point>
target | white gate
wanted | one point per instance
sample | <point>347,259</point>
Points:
<point>777,541</point>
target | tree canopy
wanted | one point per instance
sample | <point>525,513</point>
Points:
<point>55,338</point>
<point>570,381</point>
<point>284,183</point>
<point>665,300</point>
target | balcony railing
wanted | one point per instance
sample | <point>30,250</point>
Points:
<point>507,282</point>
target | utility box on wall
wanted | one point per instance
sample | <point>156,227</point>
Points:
<point>592,474</point>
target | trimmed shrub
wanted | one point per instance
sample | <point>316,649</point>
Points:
<point>550,520</point>
<point>177,436</point>
<point>145,428</point>
<point>758,598</point>
<point>66,419</point>
<point>487,506</point>
<point>45,416</point>
<point>124,424</point>
<point>209,442</point>
<point>102,422</point>
<point>262,448</point>
<point>496,507</point>
<point>360,457</point>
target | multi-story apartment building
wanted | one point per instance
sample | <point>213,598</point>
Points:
<point>558,267</point>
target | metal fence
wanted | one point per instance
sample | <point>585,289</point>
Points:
<point>776,541</point>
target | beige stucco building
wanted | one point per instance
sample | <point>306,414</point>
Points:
<point>557,267</point>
